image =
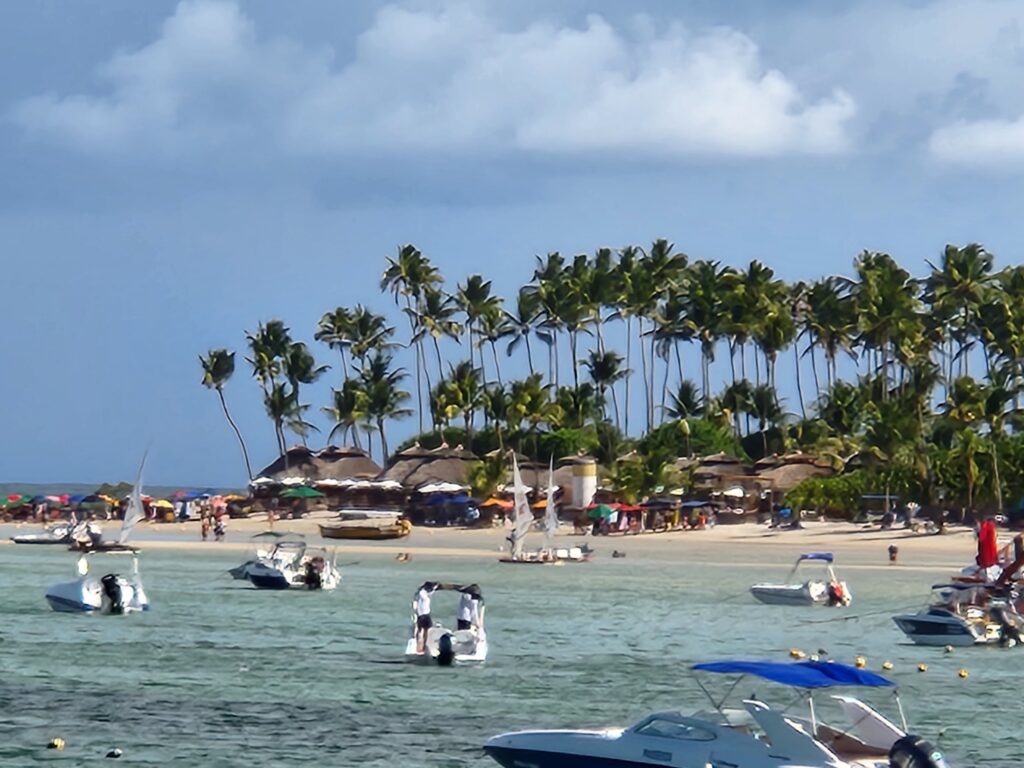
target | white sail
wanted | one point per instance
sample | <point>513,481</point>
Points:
<point>550,515</point>
<point>135,511</point>
<point>522,517</point>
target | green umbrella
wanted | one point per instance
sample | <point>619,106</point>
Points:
<point>600,511</point>
<point>302,492</point>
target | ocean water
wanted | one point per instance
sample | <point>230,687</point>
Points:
<point>219,674</point>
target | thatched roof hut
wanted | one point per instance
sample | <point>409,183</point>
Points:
<point>416,466</point>
<point>333,463</point>
<point>793,469</point>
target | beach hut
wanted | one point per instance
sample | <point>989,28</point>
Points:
<point>343,475</point>
<point>436,481</point>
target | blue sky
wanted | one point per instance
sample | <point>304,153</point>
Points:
<point>174,173</point>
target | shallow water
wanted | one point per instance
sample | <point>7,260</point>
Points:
<point>219,674</point>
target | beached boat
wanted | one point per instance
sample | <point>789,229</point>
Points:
<point>112,593</point>
<point>752,735</point>
<point>828,591</point>
<point>55,534</point>
<point>964,615</point>
<point>398,529</point>
<point>294,565</point>
<point>441,645</point>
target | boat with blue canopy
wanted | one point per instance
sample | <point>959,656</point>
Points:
<point>827,590</point>
<point>751,735</point>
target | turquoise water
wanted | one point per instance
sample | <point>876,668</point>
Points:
<point>219,674</point>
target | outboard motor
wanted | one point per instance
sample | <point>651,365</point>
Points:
<point>914,752</point>
<point>112,591</point>
<point>1009,624</point>
<point>445,651</point>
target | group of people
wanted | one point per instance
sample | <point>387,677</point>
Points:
<point>215,519</point>
<point>469,614</point>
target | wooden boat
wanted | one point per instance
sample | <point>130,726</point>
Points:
<point>399,529</point>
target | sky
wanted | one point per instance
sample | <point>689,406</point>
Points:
<point>176,172</point>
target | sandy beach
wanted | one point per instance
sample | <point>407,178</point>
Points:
<point>734,546</point>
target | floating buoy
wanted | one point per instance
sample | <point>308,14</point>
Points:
<point>402,557</point>
<point>56,743</point>
<point>796,653</point>
<point>963,673</point>
<point>815,657</point>
<point>949,649</point>
<point>115,753</point>
<point>922,667</point>
<point>887,665</point>
<point>860,662</point>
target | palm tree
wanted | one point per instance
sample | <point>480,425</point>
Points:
<point>686,402</point>
<point>281,406</point>
<point>335,330</point>
<point>829,322</point>
<point>268,348</point>
<point>494,326</point>
<point>218,368</point>
<point>764,406</point>
<point>955,291</point>
<point>997,396</point>
<point>436,318</point>
<point>407,278</point>
<point>638,297</point>
<point>347,410</point>
<point>368,333</point>
<point>705,308</point>
<point>605,369</point>
<point>464,392</point>
<point>522,323</point>
<point>475,299</point>
<point>384,399</point>
<point>549,288</point>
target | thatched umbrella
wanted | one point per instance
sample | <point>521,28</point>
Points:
<point>416,466</point>
<point>786,477</point>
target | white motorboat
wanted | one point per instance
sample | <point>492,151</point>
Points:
<point>294,565</point>
<point>261,548</point>
<point>751,736</point>
<point>828,591</point>
<point>963,615</point>
<point>112,593</point>
<point>59,533</point>
<point>467,644</point>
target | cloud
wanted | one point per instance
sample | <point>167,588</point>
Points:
<point>453,79</point>
<point>982,143</point>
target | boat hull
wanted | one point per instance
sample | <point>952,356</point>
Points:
<point>935,630</point>
<point>511,757</point>
<point>773,594</point>
<point>86,596</point>
<point>365,532</point>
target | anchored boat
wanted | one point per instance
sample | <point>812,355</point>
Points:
<point>753,735</point>
<point>827,591</point>
<point>432,642</point>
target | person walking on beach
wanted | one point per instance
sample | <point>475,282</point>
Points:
<point>204,527</point>
<point>423,620</point>
<point>219,528</point>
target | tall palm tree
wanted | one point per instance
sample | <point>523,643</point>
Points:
<point>368,333</point>
<point>829,322</point>
<point>335,330</point>
<point>955,291</point>
<point>435,319</point>
<point>638,298</point>
<point>347,410</point>
<point>268,350</point>
<point>408,277</point>
<point>475,299</point>
<point>218,368</point>
<point>549,287</point>
<point>705,308</point>
<point>464,392</point>
<point>494,326</point>
<point>764,406</point>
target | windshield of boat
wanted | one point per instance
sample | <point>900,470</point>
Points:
<point>673,726</point>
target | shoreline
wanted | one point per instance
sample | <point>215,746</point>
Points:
<point>745,545</point>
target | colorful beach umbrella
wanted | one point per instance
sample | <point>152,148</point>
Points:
<point>302,492</point>
<point>600,511</point>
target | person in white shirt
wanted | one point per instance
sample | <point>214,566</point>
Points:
<point>423,620</point>
<point>467,610</point>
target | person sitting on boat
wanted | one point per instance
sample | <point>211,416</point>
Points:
<point>424,622</point>
<point>836,595</point>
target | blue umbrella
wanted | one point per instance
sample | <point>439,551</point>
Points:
<point>77,498</point>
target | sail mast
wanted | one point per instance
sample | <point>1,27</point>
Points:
<point>550,516</point>
<point>523,517</point>
<point>134,512</point>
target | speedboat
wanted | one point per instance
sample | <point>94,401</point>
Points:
<point>112,593</point>
<point>262,547</point>
<point>963,615</point>
<point>59,533</point>
<point>827,591</point>
<point>293,565</point>
<point>445,646</point>
<point>752,735</point>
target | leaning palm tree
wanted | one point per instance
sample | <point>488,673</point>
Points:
<point>218,367</point>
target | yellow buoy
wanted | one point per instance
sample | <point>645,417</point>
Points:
<point>922,667</point>
<point>796,653</point>
<point>56,743</point>
<point>860,662</point>
<point>886,665</point>
<point>963,673</point>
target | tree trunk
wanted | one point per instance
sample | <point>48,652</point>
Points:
<point>529,352</point>
<point>629,372</point>
<point>575,363</point>
<point>643,369</point>
<point>497,365</point>
<point>238,434</point>
<point>799,382</point>
<point>814,370</point>
<point>383,440</point>
<point>440,365</point>
<point>995,473</point>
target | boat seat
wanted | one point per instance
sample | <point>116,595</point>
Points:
<point>848,747</point>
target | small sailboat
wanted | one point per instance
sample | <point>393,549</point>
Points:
<point>112,593</point>
<point>827,591</point>
<point>522,521</point>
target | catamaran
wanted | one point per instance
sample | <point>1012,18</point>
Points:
<point>112,593</point>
